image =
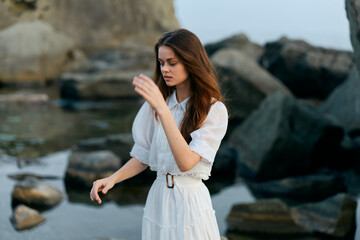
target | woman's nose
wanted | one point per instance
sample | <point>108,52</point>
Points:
<point>165,69</point>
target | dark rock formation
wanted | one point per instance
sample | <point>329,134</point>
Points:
<point>353,15</point>
<point>344,102</point>
<point>309,72</point>
<point>225,163</point>
<point>333,218</point>
<point>286,137</point>
<point>301,188</point>
<point>239,42</point>
<point>244,83</point>
<point>263,217</point>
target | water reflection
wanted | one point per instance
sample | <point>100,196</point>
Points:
<point>118,217</point>
<point>32,131</point>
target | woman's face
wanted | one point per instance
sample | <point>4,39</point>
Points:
<point>172,69</point>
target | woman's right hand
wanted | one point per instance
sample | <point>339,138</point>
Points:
<point>102,185</point>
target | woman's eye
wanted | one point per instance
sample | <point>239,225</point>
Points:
<point>162,64</point>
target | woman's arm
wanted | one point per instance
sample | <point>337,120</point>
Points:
<point>130,169</point>
<point>185,158</point>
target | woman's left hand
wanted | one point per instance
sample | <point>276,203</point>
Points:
<point>147,88</point>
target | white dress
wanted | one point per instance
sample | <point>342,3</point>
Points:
<point>185,211</point>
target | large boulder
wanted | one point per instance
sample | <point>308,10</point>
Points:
<point>305,188</point>
<point>96,25</point>
<point>239,42</point>
<point>243,81</point>
<point>333,218</point>
<point>224,166</point>
<point>344,102</point>
<point>86,167</point>
<point>352,180</point>
<point>352,11</point>
<point>286,137</point>
<point>35,193</point>
<point>34,52</point>
<point>26,218</point>
<point>308,71</point>
<point>263,217</point>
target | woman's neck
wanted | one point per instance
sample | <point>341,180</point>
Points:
<point>182,92</point>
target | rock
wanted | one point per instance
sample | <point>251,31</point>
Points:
<point>244,82</point>
<point>309,72</point>
<point>95,25</point>
<point>26,218</point>
<point>301,188</point>
<point>286,137</point>
<point>35,193</point>
<point>334,216</point>
<point>238,42</point>
<point>344,102</point>
<point>352,11</point>
<point>263,217</point>
<point>100,85</point>
<point>28,4</point>
<point>33,52</point>
<point>356,149</point>
<point>120,144</point>
<point>22,176</point>
<point>224,166</point>
<point>86,167</point>
<point>352,181</point>
<point>135,57</point>
<point>25,98</point>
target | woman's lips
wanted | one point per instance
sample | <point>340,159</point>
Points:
<point>167,78</point>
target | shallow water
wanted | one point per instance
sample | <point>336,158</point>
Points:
<point>70,220</point>
<point>33,130</point>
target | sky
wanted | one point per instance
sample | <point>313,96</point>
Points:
<point>319,22</point>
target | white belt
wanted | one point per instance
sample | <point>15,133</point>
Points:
<point>174,182</point>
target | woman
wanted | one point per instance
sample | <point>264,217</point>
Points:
<point>177,132</point>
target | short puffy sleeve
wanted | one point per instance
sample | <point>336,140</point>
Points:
<point>206,140</point>
<point>142,132</point>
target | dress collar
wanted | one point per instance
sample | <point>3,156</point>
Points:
<point>173,102</point>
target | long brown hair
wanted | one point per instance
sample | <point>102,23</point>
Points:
<point>204,86</point>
